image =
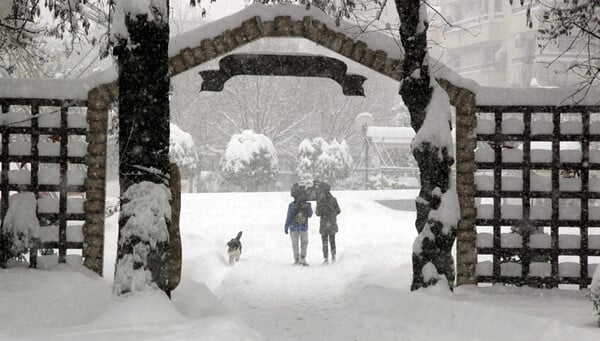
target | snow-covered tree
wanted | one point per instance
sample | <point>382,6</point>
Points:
<point>319,160</point>
<point>183,152</point>
<point>430,116</point>
<point>594,293</point>
<point>250,161</point>
<point>142,263</point>
<point>25,28</point>
<point>306,159</point>
<point>140,34</point>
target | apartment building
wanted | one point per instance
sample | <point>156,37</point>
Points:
<point>489,41</point>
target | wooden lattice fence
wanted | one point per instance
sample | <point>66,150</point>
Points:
<point>56,149</point>
<point>537,194</point>
<point>43,151</point>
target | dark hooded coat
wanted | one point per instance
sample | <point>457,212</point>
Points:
<point>328,209</point>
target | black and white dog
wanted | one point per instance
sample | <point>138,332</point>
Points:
<point>234,248</point>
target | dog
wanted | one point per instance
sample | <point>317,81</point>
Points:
<point>234,248</point>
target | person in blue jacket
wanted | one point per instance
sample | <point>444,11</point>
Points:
<point>296,223</point>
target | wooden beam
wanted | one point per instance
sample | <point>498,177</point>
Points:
<point>282,65</point>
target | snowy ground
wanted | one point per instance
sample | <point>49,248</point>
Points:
<point>364,296</point>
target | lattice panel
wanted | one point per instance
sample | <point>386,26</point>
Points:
<point>44,152</point>
<point>538,195</point>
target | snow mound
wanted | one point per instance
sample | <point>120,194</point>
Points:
<point>149,307</point>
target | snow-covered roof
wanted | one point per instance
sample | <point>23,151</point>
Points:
<point>391,135</point>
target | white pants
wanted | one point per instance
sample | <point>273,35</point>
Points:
<point>301,236</point>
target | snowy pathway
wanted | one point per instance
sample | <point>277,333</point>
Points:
<point>286,302</point>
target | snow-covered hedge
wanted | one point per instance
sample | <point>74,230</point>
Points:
<point>319,160</point>
<point>20,229</point>
<point>250,161</point>
<point>183,152</point>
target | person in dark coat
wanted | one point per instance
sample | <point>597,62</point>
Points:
<point>296,223</point>
<point>328,209</point>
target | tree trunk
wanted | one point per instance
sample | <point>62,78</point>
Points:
<point>144,130</point>
<point>434,243</point>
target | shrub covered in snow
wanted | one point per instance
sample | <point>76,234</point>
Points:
<point>20,229</point>
<point>250,161</point>
<point>594,294</point>
<point>319,160</point>
<point>143,242</point>
<point>183,152</point>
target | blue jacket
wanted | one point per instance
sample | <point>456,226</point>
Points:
<point>290,225</point>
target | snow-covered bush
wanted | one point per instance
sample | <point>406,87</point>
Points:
<point>594,294</point>
<point>20,229</point>
<point>183,152</point>
<point>324,161</point>
<point>306,159</point>
<point>144,239</point>
<point>250,161</point>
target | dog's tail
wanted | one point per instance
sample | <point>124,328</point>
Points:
<point>239,235</point>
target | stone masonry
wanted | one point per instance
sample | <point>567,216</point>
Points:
<point>466,255</point>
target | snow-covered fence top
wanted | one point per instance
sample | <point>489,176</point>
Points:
<point>492,96</point>
<point>57,89</point>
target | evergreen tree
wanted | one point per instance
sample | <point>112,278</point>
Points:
<point>250,161</point>
<point>306,159</point>
<point>183,152</point>
<point>319,160</point>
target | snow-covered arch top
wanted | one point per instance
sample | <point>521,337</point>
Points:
<point>382,53</point>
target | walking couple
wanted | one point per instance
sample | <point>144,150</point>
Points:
<point>296,223</point>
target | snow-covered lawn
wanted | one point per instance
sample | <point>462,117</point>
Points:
<point>364,296</point>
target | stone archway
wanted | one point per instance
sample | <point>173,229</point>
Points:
<point>283,26</point>
<point>185,55</point>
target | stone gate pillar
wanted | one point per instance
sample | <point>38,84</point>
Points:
<point>99,101</point>
<point>466,239</point>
